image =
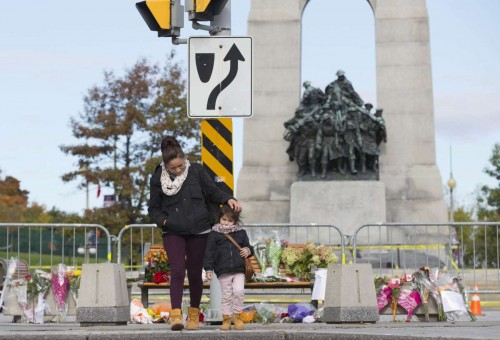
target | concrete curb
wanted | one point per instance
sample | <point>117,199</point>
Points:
<point>379,331</point>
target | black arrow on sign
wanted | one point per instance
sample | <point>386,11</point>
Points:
<point>234,55</point>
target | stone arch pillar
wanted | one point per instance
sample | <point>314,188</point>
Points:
<point>404,90</point>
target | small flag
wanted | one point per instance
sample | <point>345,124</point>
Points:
<point>98,190</point>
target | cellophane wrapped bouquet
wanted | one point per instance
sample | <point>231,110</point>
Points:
<point>274,248</point>
<point>60,288</point>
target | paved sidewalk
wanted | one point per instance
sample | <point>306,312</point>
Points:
<point>487,327</point>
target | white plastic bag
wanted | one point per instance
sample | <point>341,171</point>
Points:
<point>139,314</point>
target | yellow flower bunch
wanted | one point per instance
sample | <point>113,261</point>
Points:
<point>73,273</point>
<point>156,261</point>
<point>74,276</point>
<point>156,256</point>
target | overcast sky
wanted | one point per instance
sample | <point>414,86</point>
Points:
<point>52,51</point>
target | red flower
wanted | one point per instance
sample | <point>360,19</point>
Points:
<point>28,277</point>
<point>202,317</point>
<point>160,277</point>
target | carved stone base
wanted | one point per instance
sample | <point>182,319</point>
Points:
<point>346,204</point>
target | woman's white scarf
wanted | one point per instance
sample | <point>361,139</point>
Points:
<point>170,187</point>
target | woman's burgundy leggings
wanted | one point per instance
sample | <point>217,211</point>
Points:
<point>185,252</point>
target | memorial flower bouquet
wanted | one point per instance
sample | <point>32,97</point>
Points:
<point>300,261</point>
<point>395,288</point>
<point>452,296</point>
<point>30,292</point>
<point>74,276</point>
<point>274,249</point>
<point>37,287</point>
<point>409,299</point>
<point>260,254</point>
<point>461,288</point>
<point>426,287</point>
<point>157,266</point>
<point>265,313</point>
<point>38,283</point>
<point>60,287</point>
<point>267,248</point>
<point>382,291</point>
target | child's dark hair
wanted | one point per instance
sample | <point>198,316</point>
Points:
<point>170,149</point>
<point>229,212</point>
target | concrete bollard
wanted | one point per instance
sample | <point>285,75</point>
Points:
<point>103,296</point>
<point>350,294</point>
<point>214,313</point>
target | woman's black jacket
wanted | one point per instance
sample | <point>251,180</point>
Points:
<point>186,212</point>
<point>222,256</point>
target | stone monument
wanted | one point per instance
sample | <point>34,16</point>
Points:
<point>409,186</point>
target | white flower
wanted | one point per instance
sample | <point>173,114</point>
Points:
<point>308,319</point>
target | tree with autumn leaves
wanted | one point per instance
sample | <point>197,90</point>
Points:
<point>13,200</point>
<point>119,132</point>
<point>15,206</point>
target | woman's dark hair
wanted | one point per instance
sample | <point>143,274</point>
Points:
<point>170,149</point>
<point>229,212</point>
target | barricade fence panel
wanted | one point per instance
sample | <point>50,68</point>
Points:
<point>132,239</point>
<point>131,242</point>
<point>44,245</point>
<point>471,249</point>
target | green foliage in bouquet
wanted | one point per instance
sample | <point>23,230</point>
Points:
<point>300,261</point>
<point>37,283</point>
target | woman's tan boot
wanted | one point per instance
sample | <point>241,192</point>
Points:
<point>176,320</point>
<point>193,321</point>
<point>238,323</point>
<point>226,323</point>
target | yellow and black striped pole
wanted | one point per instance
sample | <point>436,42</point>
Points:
<point>217,151</point>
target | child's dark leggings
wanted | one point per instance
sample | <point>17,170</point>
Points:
<point>185,252</point>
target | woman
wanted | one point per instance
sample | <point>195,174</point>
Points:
<point>178,206</point>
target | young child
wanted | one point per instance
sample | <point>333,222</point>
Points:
<point>223,258</point>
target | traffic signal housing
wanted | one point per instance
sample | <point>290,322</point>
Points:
<point>204,10</point>
<point>163,16</point>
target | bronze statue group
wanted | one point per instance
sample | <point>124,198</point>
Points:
<point>335,132</point>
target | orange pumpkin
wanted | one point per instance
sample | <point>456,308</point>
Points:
<point>161,307</point>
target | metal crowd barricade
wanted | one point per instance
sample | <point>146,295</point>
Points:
<point>42,245</point>
<point>294,233</point>
<point>469,248</point>
<point>134,239</point>
<point>148,233</point>
<point>324,234</point>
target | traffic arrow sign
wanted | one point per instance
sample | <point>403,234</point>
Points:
<point>220,77</point>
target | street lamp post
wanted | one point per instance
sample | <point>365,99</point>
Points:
<point>451,184</point>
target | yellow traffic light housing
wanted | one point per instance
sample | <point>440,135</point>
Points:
<point>204,10</point>
<point>163,16</point>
